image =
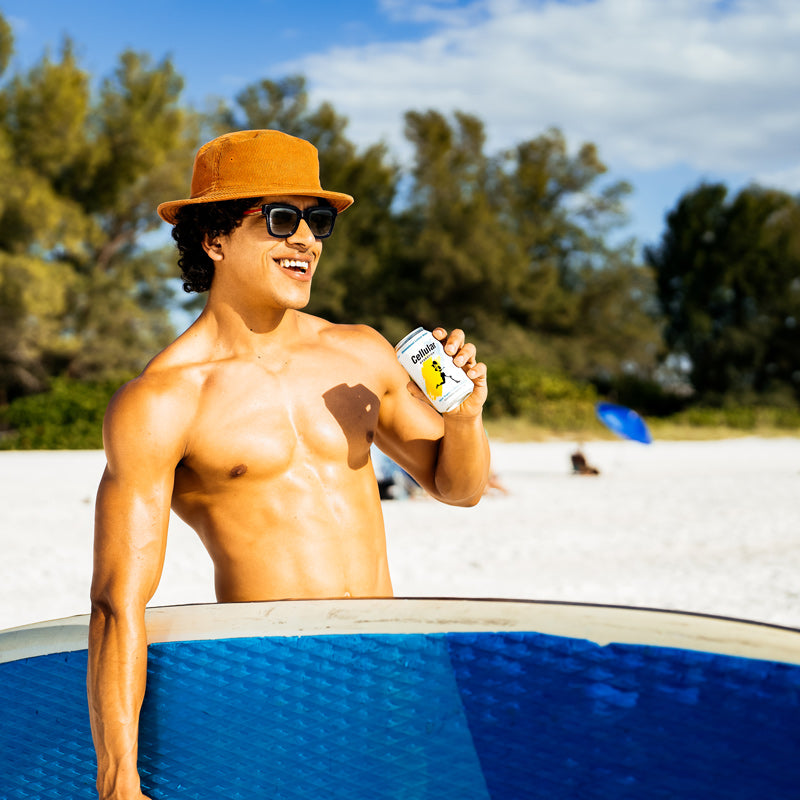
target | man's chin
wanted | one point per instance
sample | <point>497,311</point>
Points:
<point>298,303</point>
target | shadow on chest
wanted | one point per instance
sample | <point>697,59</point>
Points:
<point>355,409</point>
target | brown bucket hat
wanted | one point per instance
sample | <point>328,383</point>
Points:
<point>254,164</point>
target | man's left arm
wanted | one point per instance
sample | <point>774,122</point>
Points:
<point>447,454</point>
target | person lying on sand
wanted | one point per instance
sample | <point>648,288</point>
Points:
<point>580,466</point>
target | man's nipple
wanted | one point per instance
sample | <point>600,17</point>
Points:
<point>238,470</point>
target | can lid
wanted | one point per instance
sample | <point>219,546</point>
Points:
<point>408,338</point>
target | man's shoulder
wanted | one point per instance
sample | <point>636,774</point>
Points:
<point>176,370</point>
<point>185,356</point>
<point>159,382</point>
<point>150,403</point>
<point>161,395</point>
<point>354,337</point>
<point>370,350</point>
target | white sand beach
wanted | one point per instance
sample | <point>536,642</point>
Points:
<point>709,527</point>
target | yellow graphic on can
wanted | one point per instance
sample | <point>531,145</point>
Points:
<point>433,375</point>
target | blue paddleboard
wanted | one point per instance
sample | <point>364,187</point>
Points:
<point>406,699</point>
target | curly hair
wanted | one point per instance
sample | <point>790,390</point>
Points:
<point>194,223</point>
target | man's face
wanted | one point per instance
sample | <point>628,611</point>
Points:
<point>261,269</point>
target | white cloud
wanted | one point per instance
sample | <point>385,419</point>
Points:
<point>451,12</point>
<point>710,84</point>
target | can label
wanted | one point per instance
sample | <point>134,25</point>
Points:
<point>426,362</point>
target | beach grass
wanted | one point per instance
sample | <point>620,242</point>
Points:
<point>519,429</point>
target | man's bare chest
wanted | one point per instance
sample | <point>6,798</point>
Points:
<point>259,420</point>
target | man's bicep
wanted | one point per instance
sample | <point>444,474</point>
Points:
<point>130,540</point>
<point>409,429</point>
<point>133,501</point>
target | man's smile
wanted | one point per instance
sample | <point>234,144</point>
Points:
<point>296,265</point>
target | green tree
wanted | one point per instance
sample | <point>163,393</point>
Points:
<point>144,142</point>
<point>456,265</point>
<point>515,249</point>
<point>728,274</point>
<point>6,44</point>
<point>37,223</point>
<point>79,292</point>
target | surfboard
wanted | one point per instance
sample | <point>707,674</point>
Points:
<point>416,698</point>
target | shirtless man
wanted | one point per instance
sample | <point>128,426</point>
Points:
<point>255,426</point>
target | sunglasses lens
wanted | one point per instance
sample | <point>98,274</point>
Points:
<point>283,221</point>
<point>320,221</point>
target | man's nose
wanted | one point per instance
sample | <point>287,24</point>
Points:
<point>302,236</point>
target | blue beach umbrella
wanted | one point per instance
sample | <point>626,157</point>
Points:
<point>624,422</point>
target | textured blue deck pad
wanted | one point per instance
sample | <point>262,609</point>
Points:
<point>506,715</point>
<point>330,717</point>
<point>554,717</point>
<point>45,741</point>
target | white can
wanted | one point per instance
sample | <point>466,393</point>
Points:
<point>425,360</point>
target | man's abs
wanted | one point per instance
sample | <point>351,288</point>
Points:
<point>301,535</point>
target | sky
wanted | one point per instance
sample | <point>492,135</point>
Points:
<point>672,92</point>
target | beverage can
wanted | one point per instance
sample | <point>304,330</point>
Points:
<point>424,359</point>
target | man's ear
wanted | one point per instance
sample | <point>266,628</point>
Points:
<point>213,247</point>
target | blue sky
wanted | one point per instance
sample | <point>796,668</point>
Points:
<point>672,91</point>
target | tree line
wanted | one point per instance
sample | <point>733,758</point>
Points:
<point>520,247</point>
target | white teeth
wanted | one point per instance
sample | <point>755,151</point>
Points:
<point>290,263</point>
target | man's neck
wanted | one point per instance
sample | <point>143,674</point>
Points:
<point>247,330</point>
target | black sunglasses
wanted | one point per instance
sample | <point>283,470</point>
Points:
<point>284,219</point>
